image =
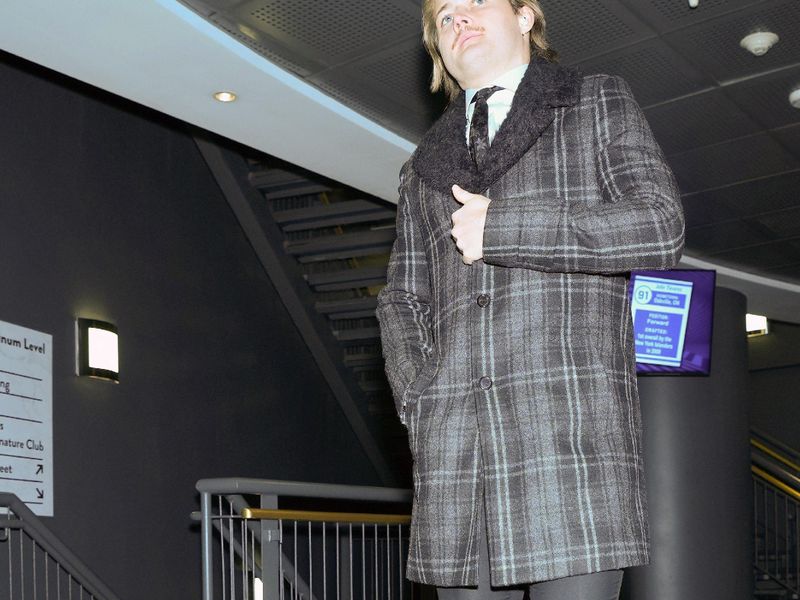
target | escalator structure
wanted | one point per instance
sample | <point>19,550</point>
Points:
<point>326,249</point>
<point>776,517</point>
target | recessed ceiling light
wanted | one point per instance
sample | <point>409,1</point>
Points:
<point>225,96</point>
<point>759,42</point>
<point>248,32</point>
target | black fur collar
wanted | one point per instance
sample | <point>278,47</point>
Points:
<point>442,158</point>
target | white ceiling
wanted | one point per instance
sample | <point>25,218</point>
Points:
<point>162,55</point>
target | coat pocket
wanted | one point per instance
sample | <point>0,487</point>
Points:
<point>411,411</point>
<point>416,388</point>
<point>422,382</point>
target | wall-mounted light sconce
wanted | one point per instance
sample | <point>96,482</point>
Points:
<point>756,325</point>
<point>97,349</point>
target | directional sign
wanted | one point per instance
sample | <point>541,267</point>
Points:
<point>26,416</point>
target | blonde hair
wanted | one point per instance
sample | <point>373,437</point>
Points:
<point>442,80</point>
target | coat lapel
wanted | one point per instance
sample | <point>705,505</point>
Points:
<point>442,158</point>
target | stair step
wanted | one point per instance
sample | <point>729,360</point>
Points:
<point>363,360</point>
<point>347,245</point>
<point>347,279</point>
<point>366,304</point>
<point>356,314</point>
<point>364,333</point>
<point>330,215</point>
<point>277,183</point>
<point>369,387</point>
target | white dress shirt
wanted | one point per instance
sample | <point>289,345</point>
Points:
<point>499,103</point>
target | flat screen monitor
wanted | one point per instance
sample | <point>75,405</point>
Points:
<point>673,315</point>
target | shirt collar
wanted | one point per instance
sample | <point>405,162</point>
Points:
<point>508,81</point>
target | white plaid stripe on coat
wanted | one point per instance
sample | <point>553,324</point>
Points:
<point>524,403</point>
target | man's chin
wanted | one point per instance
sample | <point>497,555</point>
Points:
<point>475,75</point>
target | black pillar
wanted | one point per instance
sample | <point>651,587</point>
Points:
<point>697,468</point>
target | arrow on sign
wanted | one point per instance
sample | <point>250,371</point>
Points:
<point>39,493</point>
<point>39,469</point>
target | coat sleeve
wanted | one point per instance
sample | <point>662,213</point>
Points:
<point>404,311</point>
<point>638,224</point>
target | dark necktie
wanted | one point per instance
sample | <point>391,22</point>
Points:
<point>479,126</point>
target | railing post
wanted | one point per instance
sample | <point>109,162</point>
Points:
<point>205,530</point>
<point>271,552</point>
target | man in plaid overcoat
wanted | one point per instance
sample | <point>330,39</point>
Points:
<point>505,321</point>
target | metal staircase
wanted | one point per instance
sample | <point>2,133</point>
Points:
<point>35,564</point>
<point>776,518</point>
<point>326,248</point>
<point>341,242</point>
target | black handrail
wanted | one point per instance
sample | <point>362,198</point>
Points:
<point>788,451</point>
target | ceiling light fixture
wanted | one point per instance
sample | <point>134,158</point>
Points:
<point>694,3</point>
<point>245,30</point>
<point>794,97</point>
<point>225,96</point>
<point>759,43</point>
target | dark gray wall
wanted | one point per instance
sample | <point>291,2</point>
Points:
<point>775,381</point>
<point>776,403</point>
<point>780,348</point>
<point>108,211</point>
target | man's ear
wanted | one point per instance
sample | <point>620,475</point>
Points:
<point>525,17</point>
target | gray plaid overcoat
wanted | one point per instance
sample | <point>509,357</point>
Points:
<point>515,376</point>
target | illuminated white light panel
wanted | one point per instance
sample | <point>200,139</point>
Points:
<point>103,350</point>
<point>756,323</point>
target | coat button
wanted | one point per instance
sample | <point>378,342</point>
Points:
<point>483,300</point>
<point>485,382</point>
